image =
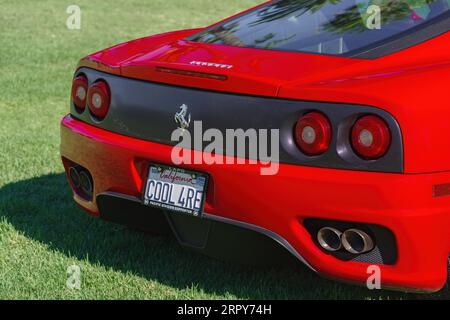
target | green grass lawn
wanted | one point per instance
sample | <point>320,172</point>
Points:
<point>42,232</point>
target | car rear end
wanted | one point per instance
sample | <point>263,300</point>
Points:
<point>344,197</point>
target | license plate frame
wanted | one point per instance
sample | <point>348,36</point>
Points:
<point>166,182</point>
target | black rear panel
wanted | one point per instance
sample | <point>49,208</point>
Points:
<point>147,111</point>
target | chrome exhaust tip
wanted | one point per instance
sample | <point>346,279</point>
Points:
<point>329,239</point>
<point>86,183</point>
<point>356,241</point>
<point>74,176</point>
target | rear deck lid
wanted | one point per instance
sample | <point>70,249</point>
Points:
<point>228,68</point>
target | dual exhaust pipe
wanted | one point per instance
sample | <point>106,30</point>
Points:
<point>354,241</point>
<point>81,180</point>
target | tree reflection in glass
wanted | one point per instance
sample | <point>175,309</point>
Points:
<point>322,26</point>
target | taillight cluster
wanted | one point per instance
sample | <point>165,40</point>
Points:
<point>79,92</point>
<point>99,99</point>
<point>96,97</point>
<point>313,133</point>
<point>370,136</point>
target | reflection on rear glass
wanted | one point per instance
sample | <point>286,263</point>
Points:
<point>323,26</point>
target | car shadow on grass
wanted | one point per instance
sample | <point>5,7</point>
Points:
<point>42,209</point>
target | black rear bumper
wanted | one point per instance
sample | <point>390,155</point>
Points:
<point>213,236</point>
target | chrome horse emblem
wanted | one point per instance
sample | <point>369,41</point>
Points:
<point>180,117</point>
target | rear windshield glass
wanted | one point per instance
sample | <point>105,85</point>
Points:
<point>324,26</point>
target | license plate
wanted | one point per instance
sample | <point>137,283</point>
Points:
<point>175,189</point>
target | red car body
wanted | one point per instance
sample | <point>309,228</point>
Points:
<point>410,201</point>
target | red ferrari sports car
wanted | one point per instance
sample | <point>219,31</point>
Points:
<point>314,130</point>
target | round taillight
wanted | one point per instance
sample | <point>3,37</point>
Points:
<point>79,92</point>
<point>313,133</point>
<point>371,137</point>
<point>99,99</point>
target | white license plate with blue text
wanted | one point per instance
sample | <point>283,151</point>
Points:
<point>175,189</point>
